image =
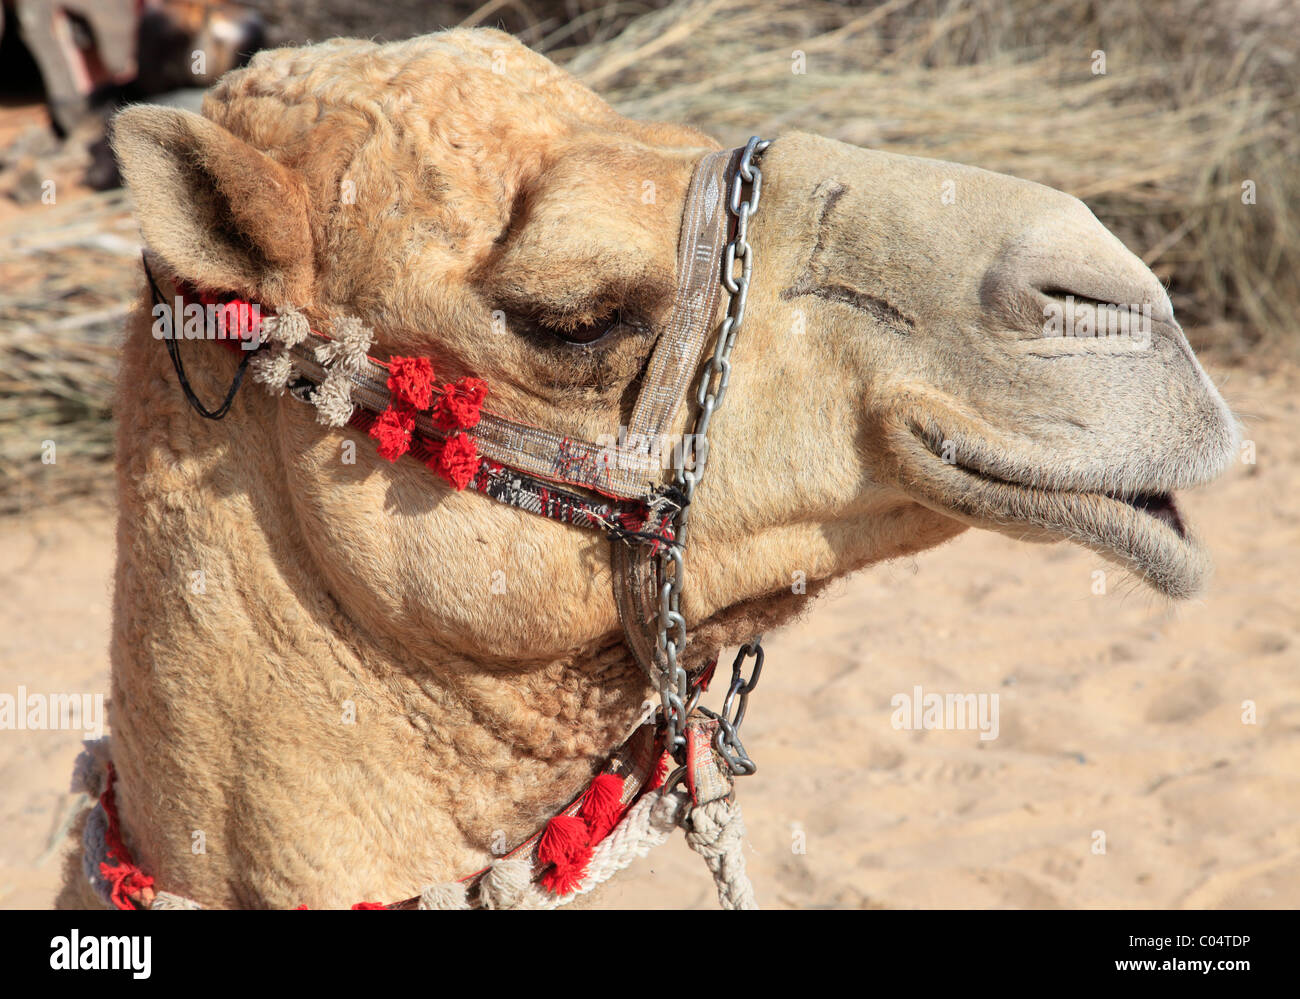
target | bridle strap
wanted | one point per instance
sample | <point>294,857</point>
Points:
<point>532,450</point>
<point>680,345</point>
<point>675,361</point>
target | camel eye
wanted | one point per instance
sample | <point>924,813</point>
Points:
<point>587,332</point>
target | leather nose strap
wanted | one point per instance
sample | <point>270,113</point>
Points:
<point>676,358</point>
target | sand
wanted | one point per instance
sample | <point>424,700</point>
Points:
<point>1122,775</point>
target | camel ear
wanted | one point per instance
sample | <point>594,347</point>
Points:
<point>217,211</point>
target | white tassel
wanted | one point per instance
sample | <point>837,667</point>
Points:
<point>273,367</point>
<point>288,326</point>
<point>506,884</point>
<point>350,344</point>
<point>450,895</point>
<point>333,399</point>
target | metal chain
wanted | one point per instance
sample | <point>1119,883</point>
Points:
<point>675,695</point>
<point>727,740</point>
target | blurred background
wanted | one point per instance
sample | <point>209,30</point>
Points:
<point>1176,121</point>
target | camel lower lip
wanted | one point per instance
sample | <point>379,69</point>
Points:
<point>1159,505</point>
<point>1142,530</point>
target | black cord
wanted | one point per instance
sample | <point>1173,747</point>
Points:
<point>174,352</point>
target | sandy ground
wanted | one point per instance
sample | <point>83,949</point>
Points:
<point>1120,717</point>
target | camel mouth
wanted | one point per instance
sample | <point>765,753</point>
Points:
<point>1161,506</point>
<point>1143,529</point>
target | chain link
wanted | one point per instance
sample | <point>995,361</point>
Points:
<point>675,695</point>
<point>727,740</point>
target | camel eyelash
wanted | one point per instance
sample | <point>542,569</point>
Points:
<point>592,334</point>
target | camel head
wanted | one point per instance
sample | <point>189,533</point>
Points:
<point>927,347</point>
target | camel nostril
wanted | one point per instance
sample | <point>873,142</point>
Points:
<point>1111,297</point>
<point>1062,293</point>
<point>1070,312</point>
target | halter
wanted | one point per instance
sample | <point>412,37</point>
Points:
<point>613,486</point>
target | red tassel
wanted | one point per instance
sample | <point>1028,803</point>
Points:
<point>236,319</point>
<point>370,905</point>
<point>458,408</point>
<point>392,430</point>
<point>564,841</point>
<point>564,879</point>
<point>410,379</point>
<point>459,460</point>
<point>602,806</point>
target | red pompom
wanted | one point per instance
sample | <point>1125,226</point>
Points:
<point>564,879</point>
<point>410,379</point>
<point>459,406</point>
<point>458,462</point>
<point>564,841</point>
<point>370,905</point>
<point>602,806</point>
<point>392,429</point>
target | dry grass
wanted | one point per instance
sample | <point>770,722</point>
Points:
<point>1197,98</point>
<point>68,275</point>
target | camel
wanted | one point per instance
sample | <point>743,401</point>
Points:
<point>893,386</point>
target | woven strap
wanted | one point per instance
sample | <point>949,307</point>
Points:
<point>643,520</point>
<point>676,359</point>
<point>612,469</point>
<point>679,346</point>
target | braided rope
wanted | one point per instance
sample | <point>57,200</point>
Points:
<point>647,825</point>
<point>716,831</point>
<point>94,852</point>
